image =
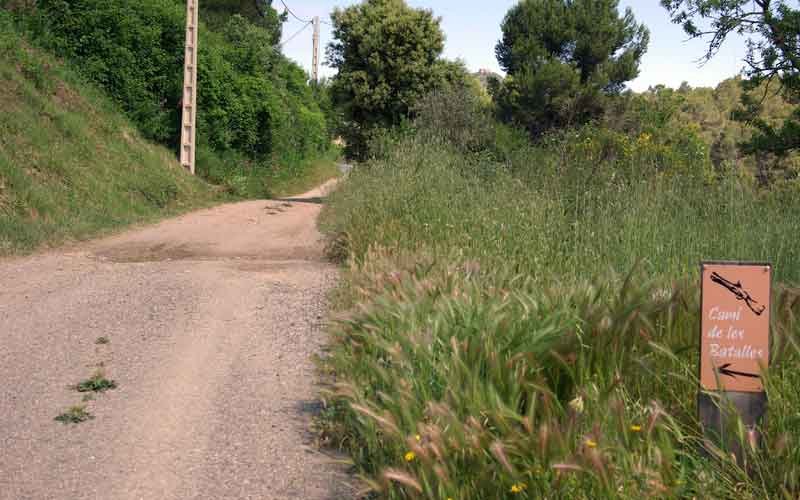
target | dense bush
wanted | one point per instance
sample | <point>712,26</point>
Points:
<point>256,112</point>
<point>456,115</point>
<point>565,60</point>
<point>71,165</point>
<point>387,56</point>
<point>135,54</point>
<point>707,114</point>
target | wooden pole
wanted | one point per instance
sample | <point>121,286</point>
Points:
<point>189,111</point>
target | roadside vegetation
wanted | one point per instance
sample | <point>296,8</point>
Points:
<point>259,121</point>
<point>519,311</point>
<point>89,126</point>
<point>71,166</point>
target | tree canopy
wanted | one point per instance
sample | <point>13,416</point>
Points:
<point>772,63</point>
<point>387,55</point>
<point>258,12</point>
<point>563,57</point>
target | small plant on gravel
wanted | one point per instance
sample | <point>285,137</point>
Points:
<point>74,415</point>
<point>102,341</point>
<point>96,383</point>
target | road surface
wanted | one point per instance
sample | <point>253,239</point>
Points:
<point>212,319</point>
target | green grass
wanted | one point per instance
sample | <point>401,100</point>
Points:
<point>96,383</point>
<point>534,335</point>
<point>74,415</point>
<point>557,226</point>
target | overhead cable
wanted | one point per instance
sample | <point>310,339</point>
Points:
<point>293,14</point>
<point>293,36</point>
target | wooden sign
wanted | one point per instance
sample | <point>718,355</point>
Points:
<point>734,326</point>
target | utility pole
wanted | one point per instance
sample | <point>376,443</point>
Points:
<point>315,58</point>
<point>189,111</point>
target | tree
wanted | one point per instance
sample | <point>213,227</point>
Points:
<point>387,55</point>
<point>259,12</point>
<point>772,61</point>
<point>563,59</point>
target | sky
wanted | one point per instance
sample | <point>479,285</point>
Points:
<point>472,28</point>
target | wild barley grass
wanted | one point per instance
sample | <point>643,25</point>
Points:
<point>529,336</point>
<point>562,224</point>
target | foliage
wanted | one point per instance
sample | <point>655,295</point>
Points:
<point>74,415</point>
<point>71,166</point>
<point>387,55</point>
<point>563,59</point>
<point>96,383</point>
<point>322,91</point>
<point>133,54</point>
<point>495,343</point>
<point>256,112</point>
<point>258,12</point>
<point>456,115</point>
<point>773,58</point>
<point>673,116</point>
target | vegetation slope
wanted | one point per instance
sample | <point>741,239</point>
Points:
<point>259,122</point>
<point>520,306</point>
<point>70,164</point>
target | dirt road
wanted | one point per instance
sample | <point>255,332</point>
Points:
<point>211,319</point>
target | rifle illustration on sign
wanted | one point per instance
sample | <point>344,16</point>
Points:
<point>741,294</point>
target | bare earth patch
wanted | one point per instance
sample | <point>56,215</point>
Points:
<point>211,321</point>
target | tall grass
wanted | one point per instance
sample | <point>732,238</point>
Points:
<point>520,326</point>
<point>554,223</point>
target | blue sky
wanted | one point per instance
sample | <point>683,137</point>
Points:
<point>472,28</point>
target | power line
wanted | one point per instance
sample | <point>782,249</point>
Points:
<point>293,36</point>
<point>293,14</point>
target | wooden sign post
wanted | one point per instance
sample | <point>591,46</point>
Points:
<point>734,348</point>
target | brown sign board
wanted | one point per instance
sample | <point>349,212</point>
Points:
<point>734,326</point>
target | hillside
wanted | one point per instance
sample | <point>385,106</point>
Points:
<point>259,124</point>
<point>71,165</point>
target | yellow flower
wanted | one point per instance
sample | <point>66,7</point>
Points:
<point>518,487</point>
<point>410,456</point>
<point>577,405</point>
<point>591,443</point>
<point>636,428</point>
<point>418,437</point>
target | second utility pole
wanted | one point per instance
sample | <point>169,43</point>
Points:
<point>315,58</point>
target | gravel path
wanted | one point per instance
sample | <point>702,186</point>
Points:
<point>212,320</point>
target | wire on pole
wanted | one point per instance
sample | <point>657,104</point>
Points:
<point>295,35</point>
<point>293,14</point>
